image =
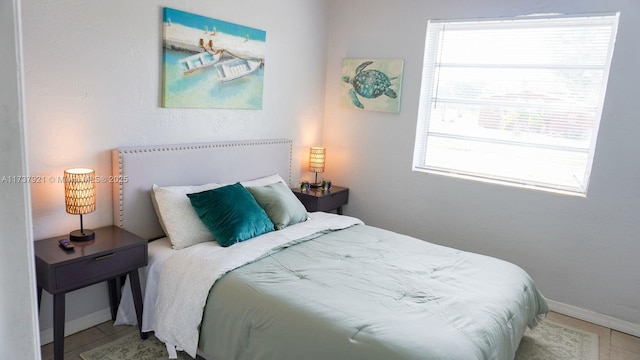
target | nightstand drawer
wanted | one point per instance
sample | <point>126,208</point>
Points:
<point>99,268</point>
<point>319,200</point>
<point>333,201</point>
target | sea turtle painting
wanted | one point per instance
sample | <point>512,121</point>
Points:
<point>369,83</point>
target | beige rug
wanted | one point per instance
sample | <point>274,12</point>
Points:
<point>131,347</point>
<point>552,341</point>
<point>549,341</point>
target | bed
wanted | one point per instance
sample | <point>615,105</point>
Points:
<point>308,286</point>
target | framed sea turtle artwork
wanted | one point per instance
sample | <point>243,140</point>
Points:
<point>211,63</point>
<point>371,84</point>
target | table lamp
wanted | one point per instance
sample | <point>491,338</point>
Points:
<point>80,198</point>
<point>316,163</point>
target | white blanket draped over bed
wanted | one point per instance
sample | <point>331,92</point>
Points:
<point>188,275</point>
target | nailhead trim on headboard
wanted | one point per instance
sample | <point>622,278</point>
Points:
<point>118,187</point>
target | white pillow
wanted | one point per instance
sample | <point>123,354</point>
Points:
<point>177,217</point>
<point>263,181</point>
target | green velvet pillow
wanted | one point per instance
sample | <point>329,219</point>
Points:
<point>280,204</point>
<point>231,214</point>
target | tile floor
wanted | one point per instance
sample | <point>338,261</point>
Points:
<point>614,345</point>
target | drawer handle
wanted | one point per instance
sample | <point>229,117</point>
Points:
<point>103,257</point>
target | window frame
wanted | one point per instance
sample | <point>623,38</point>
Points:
<point>430,79</point>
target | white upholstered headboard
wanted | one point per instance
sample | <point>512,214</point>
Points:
<point>139,168</point>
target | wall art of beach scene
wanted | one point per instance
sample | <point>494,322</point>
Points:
<point>209,63</point>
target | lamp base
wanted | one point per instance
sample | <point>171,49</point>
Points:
<point>78,235</point>
<point>315,185</point>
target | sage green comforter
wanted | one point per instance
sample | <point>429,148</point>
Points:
<point>368,293</point>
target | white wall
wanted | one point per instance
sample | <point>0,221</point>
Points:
<point>93,83</point>
<point>18,323</point>
<point>582,252</point>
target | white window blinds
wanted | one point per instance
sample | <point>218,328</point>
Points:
<point>515,101</point>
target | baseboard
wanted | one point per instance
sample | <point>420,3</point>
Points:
<point>76,325</point>
<point>595,318</point>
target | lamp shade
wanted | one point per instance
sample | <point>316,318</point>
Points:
<point>80,191</point>
<point>316,159</point>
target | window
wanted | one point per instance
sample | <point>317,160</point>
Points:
<point>515,101</point>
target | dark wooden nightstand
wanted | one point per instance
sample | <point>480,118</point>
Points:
<point>318,200</point>
<point>113,253</point>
